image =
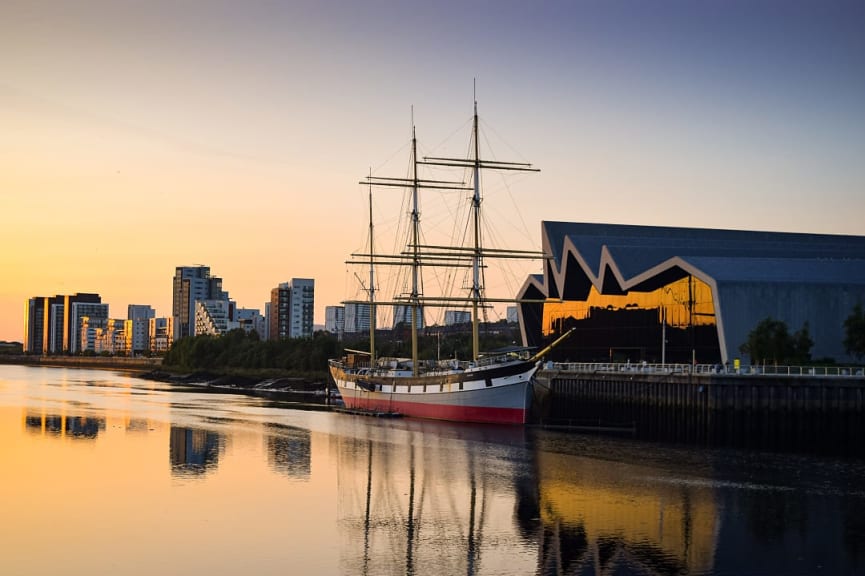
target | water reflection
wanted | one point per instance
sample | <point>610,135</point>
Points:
<point>443,501</point>
<point>276,490</point>
<point>62,425</point>
<point>193,451</point>
<point>615,506</point>
<point>289,452</point>
<point>138,425</point>
<point>412,501</point>
<point>606,516</point>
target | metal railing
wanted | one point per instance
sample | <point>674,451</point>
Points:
<point>707,369</point>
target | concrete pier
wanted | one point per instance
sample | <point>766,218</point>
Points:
<point>800,408</point>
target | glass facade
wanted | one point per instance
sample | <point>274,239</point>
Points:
<point>672,324</point>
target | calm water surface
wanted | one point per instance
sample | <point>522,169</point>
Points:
<point>104,473</point>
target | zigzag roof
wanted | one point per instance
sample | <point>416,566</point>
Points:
<point>615,257</point>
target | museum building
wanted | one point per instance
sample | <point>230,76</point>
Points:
<point>687,295</point>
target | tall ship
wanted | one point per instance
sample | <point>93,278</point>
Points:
<point>489,387</point>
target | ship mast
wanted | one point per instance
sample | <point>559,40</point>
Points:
<point>477,251</point>
<point>417,254</point>
<point>476,226</point>
<point>414,298</point>
<point>372,311</point>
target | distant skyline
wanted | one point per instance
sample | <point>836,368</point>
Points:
<point>138,137</point>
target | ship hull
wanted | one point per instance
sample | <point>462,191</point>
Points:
<point>496,394</point>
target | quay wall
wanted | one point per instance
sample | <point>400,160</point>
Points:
<point>103,362</point>
<point>797,412</point>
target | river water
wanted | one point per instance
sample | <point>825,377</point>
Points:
<point>105,473</point>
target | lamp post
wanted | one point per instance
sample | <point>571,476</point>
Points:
<point>663,336</point>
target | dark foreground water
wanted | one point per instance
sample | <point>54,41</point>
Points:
<point>102,473</point>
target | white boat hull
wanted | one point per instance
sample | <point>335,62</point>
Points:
<point>493,394</point>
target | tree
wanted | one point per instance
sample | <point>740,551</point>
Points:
<point>770,341</point>
<point>854,328</point>
<point>238,350</point>
<point>802,343</point>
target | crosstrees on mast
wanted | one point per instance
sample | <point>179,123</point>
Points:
<point>417,255</point>
<point>494,387</point>
<point>477,252</point>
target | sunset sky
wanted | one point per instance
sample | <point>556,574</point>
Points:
<point>140,136</point>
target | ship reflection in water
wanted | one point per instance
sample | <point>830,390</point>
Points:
<point>446,506</point>
<point>432,499</point>
<point>436,499</point>
<point>265,489</point>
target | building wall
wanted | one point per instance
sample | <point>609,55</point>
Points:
<point>89,333</point>
<point>403,315</point>
<point>138,326</point>
<point>511,312</point>
<point>457,317</point>
<point>292,307</point>
<point>49,324</point>
<point>302,307</point>
<point>35,326</point>
<point>334,320</point>
<point>161,334</point>
<point>249,320</point>
<point>356,318</point>
<point>78,310</point>
<point>71,319</point>
<point>824,307</point>
<point>192,283</point>
<point>55,329</point>
<point>279,312</point>
<point>213,317</point>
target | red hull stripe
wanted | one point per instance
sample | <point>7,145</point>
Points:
<point>441,411</point>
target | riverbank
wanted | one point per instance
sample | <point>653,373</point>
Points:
<point>265,382</point>
<point>100,362</point>
<point>290,388</point>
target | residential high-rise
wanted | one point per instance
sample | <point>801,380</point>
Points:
<point>72,316</point>
<point>453,317</point>
<point>89,332</point>
<point>161,333</point>
<point>334,320</point>
<point>103,335</point>
<point>36,326</point>
<point>138,327</point>
<point>49,325</point>
<point>192,283</point>
<point>55,323</point>
<point>402,315</point>
<point>250,319</point>
<point>76,312</point>
<point>291,309</point>
<point>213,317</point>
<point>512,314</point>
<point>356,317</point>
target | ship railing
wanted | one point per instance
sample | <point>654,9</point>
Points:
<point>709,369</point>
